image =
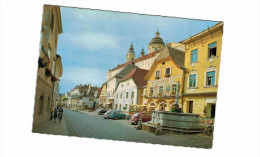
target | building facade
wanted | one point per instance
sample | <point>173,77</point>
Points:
<point>202,60</point>
<point>129,89</point>
<point>49,65</point>
<point>163,79</point>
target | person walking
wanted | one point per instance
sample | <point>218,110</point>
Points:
<point>55,114</point>
<point>60,114</point>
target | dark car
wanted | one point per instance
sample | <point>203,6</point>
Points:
<point>141,115</point>
<point>115,115</point>
<point>102,111</point>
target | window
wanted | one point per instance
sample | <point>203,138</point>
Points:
<point>174,86</point>
<point>192,80</point>
<point>125,108</point>
<point>160,89</point>
<point>126,95</point>
<point>122,85</point>
<point>210,78</point>
<point>213,49</point>
<point>157,73</point>
<point>49,53</point>
<point>117,95</point>
<point>151,91</point>
<point>132,95</point>
<point>121,94</point>
<point>168,71</point>
<point>145,92</point>
<point>194,56</point>
<point>156,49</point>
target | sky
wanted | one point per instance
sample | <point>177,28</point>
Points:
<point>94,41</point>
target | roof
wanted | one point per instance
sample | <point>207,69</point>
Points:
<point>138,77</point>
<point>137,60</point>
<point>198,35</point>
<point>128,68</point>
<point>99,90</point>
<point>176,55</point>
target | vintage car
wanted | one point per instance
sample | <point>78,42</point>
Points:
<point>115,115</point>
<point>141,115</point>
<point>102,111</point>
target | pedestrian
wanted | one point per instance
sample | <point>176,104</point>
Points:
<point>60,114</point>
<point>55,114</point>
<point>51,111</point>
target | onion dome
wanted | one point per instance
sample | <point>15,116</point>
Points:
<point>157,39</point>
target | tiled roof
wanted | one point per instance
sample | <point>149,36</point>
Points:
<point>127,69</point>
<point>138,76</point>
<point>176,55</point>
<point>137,59</point>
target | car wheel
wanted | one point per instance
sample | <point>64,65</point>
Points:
<point>115,118</point>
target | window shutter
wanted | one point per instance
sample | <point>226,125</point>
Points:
<point>170,70</point>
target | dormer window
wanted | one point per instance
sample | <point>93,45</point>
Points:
<point>213,50</point>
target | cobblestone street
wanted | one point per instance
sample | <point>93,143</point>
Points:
<point>91,125</point>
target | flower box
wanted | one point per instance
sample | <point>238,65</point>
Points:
<point>42,62</point>
<point>48,72</point>
<point>53,78</point>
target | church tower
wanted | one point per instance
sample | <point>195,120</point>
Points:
<point>142,53</point>
<point>156,43</point>
<point>130,54</point>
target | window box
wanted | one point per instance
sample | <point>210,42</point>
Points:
<point>53,78</point>
<point>167,75</point>
<point>173,93</point>
<point>42,62</point>
<point>48,72</point>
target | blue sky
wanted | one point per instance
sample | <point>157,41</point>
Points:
<point>94,41</point>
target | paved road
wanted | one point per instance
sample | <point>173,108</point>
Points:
<point>95,126</point>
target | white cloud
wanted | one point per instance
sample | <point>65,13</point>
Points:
<point>93,40</point>
<point>79,75</point>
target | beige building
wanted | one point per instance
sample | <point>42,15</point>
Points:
<point>49,65</point>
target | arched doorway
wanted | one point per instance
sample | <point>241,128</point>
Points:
<point>162,107</point>
<point>152,107</point>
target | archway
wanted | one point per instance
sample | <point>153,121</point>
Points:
<point>162,107</point>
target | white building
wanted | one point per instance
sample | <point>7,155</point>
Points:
<point>128,90</point>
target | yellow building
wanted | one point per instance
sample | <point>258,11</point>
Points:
<point>202,59</point>
<point>50,66</point>
<point>166,71</point>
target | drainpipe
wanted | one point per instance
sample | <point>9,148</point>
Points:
<point>183,82</point>
<point>53,83</point>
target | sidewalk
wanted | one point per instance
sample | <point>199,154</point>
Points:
<point>56,128</point>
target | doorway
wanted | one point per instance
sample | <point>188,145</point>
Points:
<point>162,107</point>
<point>213,111</point>
<point>190,106</point>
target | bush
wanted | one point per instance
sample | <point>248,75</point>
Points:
<point>178,110</point>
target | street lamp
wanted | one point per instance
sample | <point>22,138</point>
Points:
<point>177,94</point>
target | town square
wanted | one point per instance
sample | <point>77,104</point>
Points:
<point>123,76</point>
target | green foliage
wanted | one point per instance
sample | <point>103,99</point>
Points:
<point>64,99</point>
<point>178,110</point>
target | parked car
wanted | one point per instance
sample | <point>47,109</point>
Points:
<point>106,114</point>
<point>102,111</point>
<point>141,115</point>
<point>116,115</point>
